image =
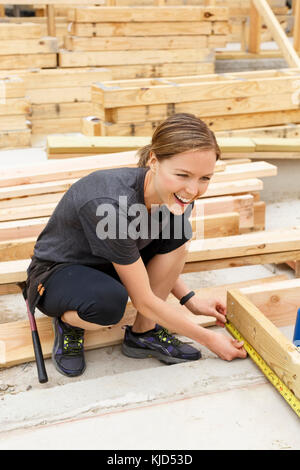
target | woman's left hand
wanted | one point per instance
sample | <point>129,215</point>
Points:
<point>211,307</point>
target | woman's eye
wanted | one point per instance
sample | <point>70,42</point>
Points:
<point>205,178</point>
<point>182,175</point>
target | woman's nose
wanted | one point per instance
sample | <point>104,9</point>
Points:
<point>192,189</point>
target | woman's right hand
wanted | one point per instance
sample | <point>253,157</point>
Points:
<point>226,348</point>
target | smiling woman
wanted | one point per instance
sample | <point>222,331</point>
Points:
<point>124,232</point>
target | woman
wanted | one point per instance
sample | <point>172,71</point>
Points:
<point>124,232</point>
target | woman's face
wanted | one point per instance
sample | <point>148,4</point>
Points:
<point>180,180</point>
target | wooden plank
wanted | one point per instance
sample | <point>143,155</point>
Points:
<point>90,145</point>
<point>60,110</point>
<point>13,122</point>
<point>12,87</point>
<point>59,78</point>
<point>28,46</point>
<point>51,20</point>
<point>51,126</point>
<point>146,14</point>
<point>242,204</point>
<point>112,97</point>
<point>28,60</point>
<point>244,121</point>
<point>12,31</point>
<point>59,95</point>
<point>296,32</point>
<point>154,56</point>
<point>236,262</point>
<point>280,37</point>
<point>120,43</point>
<point>278,352</point>
<point>16,343</point>
<point>255,30</point>
<point>216,225</point>
<point>248,244</point>
<point>26,212</point>
<point>13,271</point>
<point>286,131</point>
<point>155,28</point>
<point>13,139</point>
<point>259,215</point>
<point>215,107</point>
<point>272,144</point>
<point>22,228</point>
<point>160,70</point>
<point>14,106</point>
<point>276,298</point>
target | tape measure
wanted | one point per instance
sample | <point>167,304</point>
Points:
<point>267,371</point>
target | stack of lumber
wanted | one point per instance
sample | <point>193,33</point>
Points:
<point>22,46</point>
<point>233,148</point>
<point>58,98</point>
<point>14,108</point>
<point>225,101</point>
<point>145,41</point>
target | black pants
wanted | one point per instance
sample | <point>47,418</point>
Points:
<point>95,293</point>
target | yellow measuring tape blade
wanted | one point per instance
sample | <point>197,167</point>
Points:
<point>289,397</point>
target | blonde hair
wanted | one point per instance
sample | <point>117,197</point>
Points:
<point>179,133</point>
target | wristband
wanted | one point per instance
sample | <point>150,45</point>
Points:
<point>187,297</point>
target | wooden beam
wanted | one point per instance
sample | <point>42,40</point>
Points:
<point>296,5</point>
<point>279,35</point>
<point>248,244</point>
<point>51,20</point>
<point>254,39</point>
<point>148,13</point>
<point>237,262</point>
<point>276,350</point>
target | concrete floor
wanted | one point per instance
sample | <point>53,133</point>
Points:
<point>123,403</point>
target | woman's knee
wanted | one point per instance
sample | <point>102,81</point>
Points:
<point>105,309</point>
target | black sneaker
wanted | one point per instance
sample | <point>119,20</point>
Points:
<point>159,343</point>
<point>67,353</point>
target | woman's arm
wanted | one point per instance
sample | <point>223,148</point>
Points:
<point>135,279</point>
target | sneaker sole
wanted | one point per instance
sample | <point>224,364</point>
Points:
<point>61,371</point>
<point>143,354</point>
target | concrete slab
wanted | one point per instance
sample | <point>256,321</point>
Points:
<point>244,418</point>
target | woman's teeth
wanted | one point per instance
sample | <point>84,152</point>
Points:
<point>184,201</point>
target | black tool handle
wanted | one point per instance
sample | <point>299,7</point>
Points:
<point>40,364</point>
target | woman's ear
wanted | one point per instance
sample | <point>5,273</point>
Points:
<point>152,162</point>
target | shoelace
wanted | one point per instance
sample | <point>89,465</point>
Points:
<point>165,335</point>
<point>73,342</point>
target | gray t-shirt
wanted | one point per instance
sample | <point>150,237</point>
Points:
<point>98,221</point>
